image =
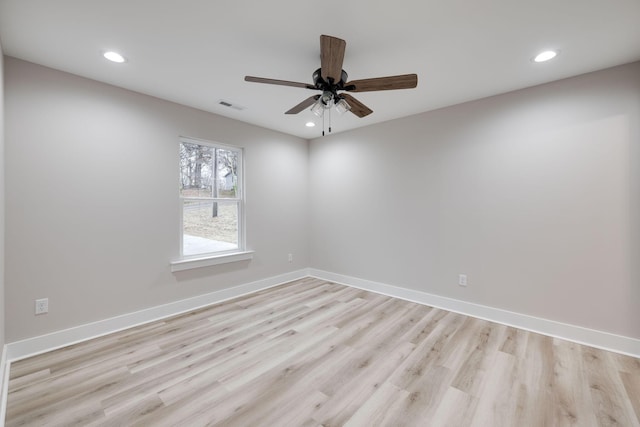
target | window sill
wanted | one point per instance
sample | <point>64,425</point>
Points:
<point>206,261</point>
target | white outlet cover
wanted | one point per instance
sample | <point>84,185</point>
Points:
<point>462,280</point>
<point>42,306</point>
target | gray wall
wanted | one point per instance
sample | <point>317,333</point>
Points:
<point>533,194</point>
<point>2,211</point>
<point>92,205</point>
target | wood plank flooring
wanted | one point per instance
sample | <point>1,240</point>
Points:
<point>313,353</point>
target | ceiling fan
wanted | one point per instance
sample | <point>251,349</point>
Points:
<point>331,79</point>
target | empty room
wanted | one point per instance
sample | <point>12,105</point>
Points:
<point>289,213</point>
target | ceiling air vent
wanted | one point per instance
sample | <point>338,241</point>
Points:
<point>230,105</point>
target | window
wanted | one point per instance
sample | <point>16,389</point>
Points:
<point>211,198</point>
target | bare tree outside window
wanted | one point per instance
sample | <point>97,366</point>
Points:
<point>209,189</point>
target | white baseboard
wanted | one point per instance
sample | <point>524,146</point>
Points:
<point>40,344</point>
<point>578,334</point>
<point>43,343</point>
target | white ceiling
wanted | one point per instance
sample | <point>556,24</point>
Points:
<point>197,52</point>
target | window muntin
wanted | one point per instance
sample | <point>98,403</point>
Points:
<point>211,198</point>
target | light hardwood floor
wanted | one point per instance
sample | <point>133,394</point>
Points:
<point>313,353</point>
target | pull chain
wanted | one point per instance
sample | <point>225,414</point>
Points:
<point>326,111</point>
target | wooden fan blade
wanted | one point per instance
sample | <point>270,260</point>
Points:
<point>304,104</point>
<point>277,82</point>
<point>357,107</point>
<point>404,81</point>
<point>331,57</point>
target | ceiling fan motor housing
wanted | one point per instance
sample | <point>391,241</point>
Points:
<point>323,84</point>
<point>326,86</point>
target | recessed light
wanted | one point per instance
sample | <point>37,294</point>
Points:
<point>309,124</point>
<point>114,56</point>
<point>545,56</point>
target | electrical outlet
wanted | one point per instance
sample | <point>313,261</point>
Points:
<point>42,306</point>
<point>290,257</point>
<point>462,279</point>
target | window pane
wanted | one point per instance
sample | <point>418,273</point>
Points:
<point>209,227</point>
<point>227,176</point>
<point>196,171</point>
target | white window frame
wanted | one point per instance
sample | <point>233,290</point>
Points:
<point>186,262</point>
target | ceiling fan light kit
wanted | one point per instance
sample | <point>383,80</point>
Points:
<point>318,108</point>
<point>342,106</point>
<point>331,80</point>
